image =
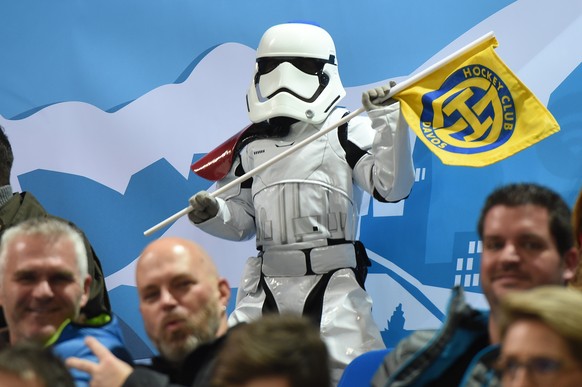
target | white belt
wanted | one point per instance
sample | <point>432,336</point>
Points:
<point>319,260</point>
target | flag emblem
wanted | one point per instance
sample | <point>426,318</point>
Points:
<point>473,111</point>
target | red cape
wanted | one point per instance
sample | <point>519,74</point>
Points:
<point>216,163</point>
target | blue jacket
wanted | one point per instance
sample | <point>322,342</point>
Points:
<point>458,354</point>
<point>69,341</point>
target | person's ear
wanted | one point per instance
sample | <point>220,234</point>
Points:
<point>86,290</point>
<point>224,292</point>
<point>571,261</point>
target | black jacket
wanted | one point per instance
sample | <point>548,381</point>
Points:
<point>195,371</point>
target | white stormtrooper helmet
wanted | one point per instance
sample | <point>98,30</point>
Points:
<point>296,75</point>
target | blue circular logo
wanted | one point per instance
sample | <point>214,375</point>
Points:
<point>472,112</point>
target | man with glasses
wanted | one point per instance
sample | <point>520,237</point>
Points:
<point>541,338</point>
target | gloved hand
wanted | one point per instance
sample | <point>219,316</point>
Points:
<point>376,98</point>
<point>204,205</point>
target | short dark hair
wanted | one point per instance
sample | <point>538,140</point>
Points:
<point>31,361</point>
<point>274,346</point>
<point>6,158</point>
<point>521,194</point>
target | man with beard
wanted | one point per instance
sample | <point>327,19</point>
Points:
<point>527,242</point>
<point>183,301</point>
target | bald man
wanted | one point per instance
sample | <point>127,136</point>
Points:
<point>183,301</point>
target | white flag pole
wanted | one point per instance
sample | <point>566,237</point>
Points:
<point>394,90</point>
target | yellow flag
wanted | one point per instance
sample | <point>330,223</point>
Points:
<point>474,111</point>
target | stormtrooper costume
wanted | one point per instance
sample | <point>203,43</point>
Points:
<point>303,210</point>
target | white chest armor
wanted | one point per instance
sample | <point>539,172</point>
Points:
<point>306,198</point>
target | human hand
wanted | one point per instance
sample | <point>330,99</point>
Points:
<point>109,372</point>
<point>204,206</point>
<point>377,98</point>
